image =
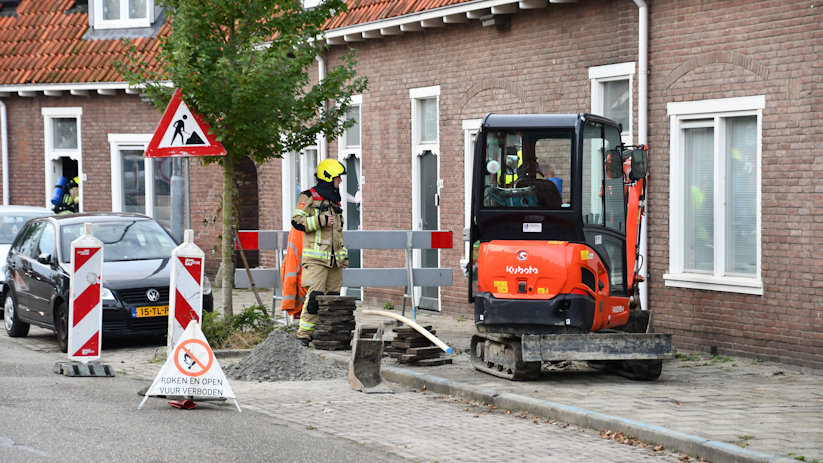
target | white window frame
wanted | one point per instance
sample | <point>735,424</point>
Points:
<point>416,95</point>
<point>681,114</point>
<point>344,151</point>
<point>288,173</point>
<point>599,75</point>
<point>118,141</point>
<point>52,154</point>
<point>100,23</point>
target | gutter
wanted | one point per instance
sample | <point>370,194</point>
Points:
<point>642,128</point>
<point>4,133</point>
<point>322,143</point>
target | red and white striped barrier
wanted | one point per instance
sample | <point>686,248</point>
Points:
<point>86,304</point>
<point>186,288</point>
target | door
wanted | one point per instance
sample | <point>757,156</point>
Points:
<point>44,278</point>
<point>24,279</point>
<point>429,204</point>
<point>353,217</point>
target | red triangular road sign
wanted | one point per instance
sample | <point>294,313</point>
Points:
<point>182,133</point>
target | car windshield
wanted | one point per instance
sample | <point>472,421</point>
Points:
<point>123,240</point>
<point>12,224</point>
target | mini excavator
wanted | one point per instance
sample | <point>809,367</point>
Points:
<point>557,204</point>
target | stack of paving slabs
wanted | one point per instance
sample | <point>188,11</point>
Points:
<point>334,329</point>
<point>412,348</point>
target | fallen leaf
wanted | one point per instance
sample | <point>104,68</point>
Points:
<point>328,410</point>
<point>423,389</point>
<point>466,409</point>
<point>762,389</point>
<point>659,448</point>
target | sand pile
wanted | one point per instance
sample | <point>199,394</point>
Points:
<point>281,357</point>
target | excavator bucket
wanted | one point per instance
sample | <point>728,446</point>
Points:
<point>364,369</point>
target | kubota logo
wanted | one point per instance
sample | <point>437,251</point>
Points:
<point>521,271</point>
<point>522,255</point>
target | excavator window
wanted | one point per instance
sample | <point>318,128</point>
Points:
<point>528,169</point>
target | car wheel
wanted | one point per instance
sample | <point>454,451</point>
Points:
<point>62,326</point>
<point>14,327</point>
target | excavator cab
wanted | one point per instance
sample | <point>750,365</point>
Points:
<point>556,208</point>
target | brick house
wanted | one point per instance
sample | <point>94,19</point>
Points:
<point>727,94</point>
<point>730,107</point>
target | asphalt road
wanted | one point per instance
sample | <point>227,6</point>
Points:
<point>49,417</point>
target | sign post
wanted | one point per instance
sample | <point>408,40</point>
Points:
<point>85,318</point>
<point>181,133</point>
<point>185,289</point>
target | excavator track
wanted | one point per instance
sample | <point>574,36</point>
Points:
<point>502,356</point>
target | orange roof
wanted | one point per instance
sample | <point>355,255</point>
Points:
<point>44,45</point>
<point>365,11</point>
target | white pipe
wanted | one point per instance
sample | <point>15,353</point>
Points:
<point>414,325</point>
<point>323,144</point>
<point>5,143</point>
<point>642,127</point>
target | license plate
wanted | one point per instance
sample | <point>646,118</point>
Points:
<point>156,311</point>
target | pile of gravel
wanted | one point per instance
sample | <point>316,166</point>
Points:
<point>281,357</point>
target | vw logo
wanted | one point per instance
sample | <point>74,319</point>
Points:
<point>153,295</point>
<point>522,255</point>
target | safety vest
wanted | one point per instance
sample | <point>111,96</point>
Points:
<point>293,293</point>
<point>320,246</point>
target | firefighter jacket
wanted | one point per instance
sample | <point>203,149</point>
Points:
<point>322,244</point>
<point>293,292</point>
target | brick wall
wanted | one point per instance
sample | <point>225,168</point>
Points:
<point>708,50</point>
<point>101,116</point>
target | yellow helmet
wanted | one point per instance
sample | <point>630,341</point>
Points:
<point>328,169</point>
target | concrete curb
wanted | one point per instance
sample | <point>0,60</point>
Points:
<point>710,450</point>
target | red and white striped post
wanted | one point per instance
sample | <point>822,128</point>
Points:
<point>86,304</point>
<point>185,289</point>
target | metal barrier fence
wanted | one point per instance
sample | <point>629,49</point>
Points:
<point>407,277</point>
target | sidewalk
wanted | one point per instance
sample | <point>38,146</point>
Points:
<point>721,409</point>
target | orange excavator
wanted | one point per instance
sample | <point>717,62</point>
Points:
<point>557,204</point>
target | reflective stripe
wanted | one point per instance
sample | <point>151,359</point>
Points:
<point>290,298</point>
<point>306,326</point>
<point>312,223</point>
<point>301,212</point>
<point>292,274</point>
<point>316,254</point>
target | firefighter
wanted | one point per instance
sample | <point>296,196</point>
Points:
<point>70,201</point>
<point>320,218</point>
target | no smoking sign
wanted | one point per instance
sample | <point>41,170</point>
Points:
<point>193,357</point>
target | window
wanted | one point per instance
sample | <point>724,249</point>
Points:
<point>612,95</point>
<point>115,14</point>
<point>351,138</point>
<point>63,143</point>
<point>46,244</point>
<point>132,190</point>
<point>299,170</point>
<point>714,241</point>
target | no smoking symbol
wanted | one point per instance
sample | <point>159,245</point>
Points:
<point>193,357</point>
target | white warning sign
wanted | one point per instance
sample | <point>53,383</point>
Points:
<point>191,371</point>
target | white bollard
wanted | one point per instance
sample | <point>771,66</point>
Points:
<point>86,304</point>
<point>185,289</point>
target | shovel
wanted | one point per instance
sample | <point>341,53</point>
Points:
<point>364,369</point>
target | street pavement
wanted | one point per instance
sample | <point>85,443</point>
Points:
<point>718,408</point>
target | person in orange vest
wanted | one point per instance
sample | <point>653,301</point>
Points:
<point>320,218</point>
<point>294,294</point>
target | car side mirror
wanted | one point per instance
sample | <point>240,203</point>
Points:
<point>640,164</point>
<point>44,258</point>
<point>614,164</point>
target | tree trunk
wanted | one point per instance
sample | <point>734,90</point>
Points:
<point>227,242</point>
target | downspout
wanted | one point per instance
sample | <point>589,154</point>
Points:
<point>642,127</point>
<point>5,147</point>
<point>322,143</point>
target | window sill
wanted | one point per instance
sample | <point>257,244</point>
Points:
<point>711,283</point>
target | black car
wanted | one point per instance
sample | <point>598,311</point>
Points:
<point>136,273</point>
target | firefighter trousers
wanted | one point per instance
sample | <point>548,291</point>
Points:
<point>318,280</point>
